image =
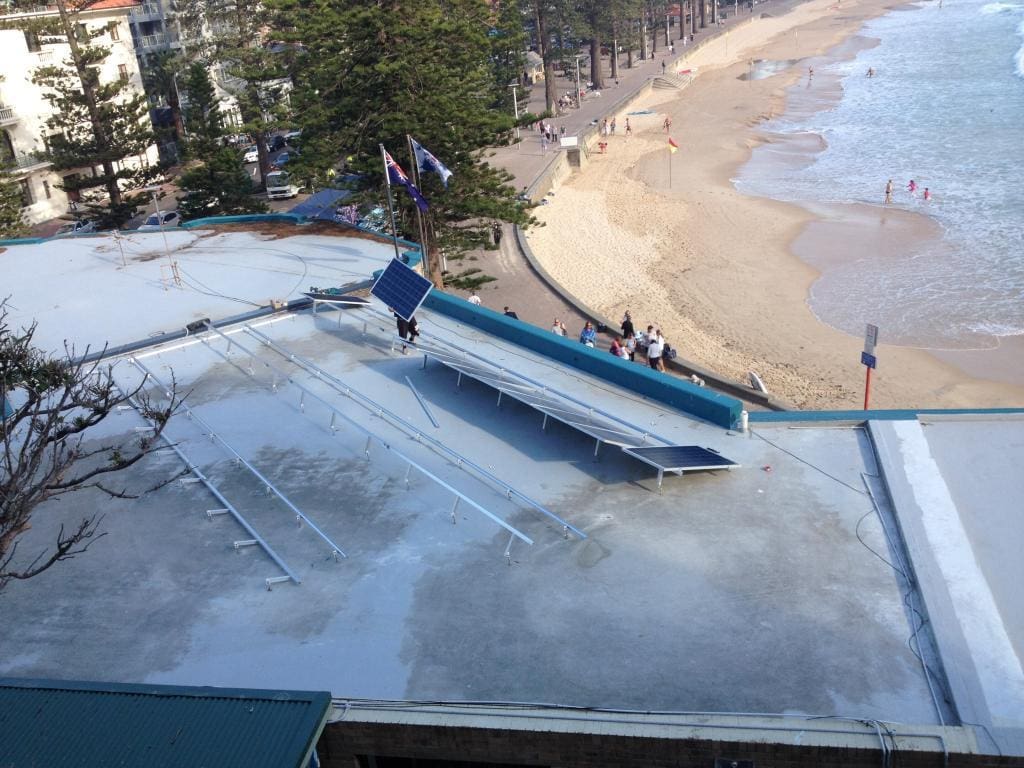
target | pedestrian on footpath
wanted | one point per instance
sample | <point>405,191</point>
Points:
<point>474,299</point>
<point>510,313</point>
<point>588,336</point>
<point>612,126</point>
<point>654,350</point>
<point>627,326</point>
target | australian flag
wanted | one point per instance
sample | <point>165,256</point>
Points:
<point>426,162</point>
<point>397,176</point>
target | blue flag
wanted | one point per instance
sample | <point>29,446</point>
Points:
<point>426,162</point>
<point>397,176</point>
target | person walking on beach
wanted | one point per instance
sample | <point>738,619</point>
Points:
<point>667,124</point>
<point>912,188</point>
<point>888,192</point>
<point>629,128</point>
<point>663,67</point>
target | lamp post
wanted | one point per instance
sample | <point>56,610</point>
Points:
<point>515,105</point>
<point>579,99</point>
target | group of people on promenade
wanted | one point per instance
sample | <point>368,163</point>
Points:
<point>651,343</point>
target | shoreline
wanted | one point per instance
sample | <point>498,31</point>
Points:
<point>738,302</point>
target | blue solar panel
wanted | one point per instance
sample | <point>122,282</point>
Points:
<point>401,289</point>
<point>681,457</point>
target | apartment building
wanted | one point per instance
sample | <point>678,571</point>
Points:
<point>24,108</point>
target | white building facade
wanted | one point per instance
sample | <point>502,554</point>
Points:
<point>24,109</point>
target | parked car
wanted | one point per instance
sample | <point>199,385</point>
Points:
<point>276,142</point>
<point>80,227</point>
<point>292,138</point>
<point>284,157</point>
<point>251,154</point>
<point>162,220</point>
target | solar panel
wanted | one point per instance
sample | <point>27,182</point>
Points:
<point>679,458</point>
<point>401,288</point>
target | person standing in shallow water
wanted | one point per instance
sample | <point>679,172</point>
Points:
<point>888,192</point>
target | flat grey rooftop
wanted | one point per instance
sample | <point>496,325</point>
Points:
<point>746,590</point>
<point>774,587</point>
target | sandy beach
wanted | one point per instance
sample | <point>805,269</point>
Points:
<point>720,272</point>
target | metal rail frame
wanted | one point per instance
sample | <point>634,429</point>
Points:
<point>336,551</point>
<point>379,410</point>
<point>239,518</point>
<point>370,437</point>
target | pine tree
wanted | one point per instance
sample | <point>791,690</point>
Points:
<point>372,74</point>
<point>11,222</point>
<point>218,186</point>
<point>205,123</point>
<point>94,124</point>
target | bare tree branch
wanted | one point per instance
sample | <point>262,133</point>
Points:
<point>47,450</point>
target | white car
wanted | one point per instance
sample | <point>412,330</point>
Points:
<point>251,154</point>
<point>162,220</point>
<point>82,227</point>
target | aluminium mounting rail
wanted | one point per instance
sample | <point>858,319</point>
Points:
<point>336,551</point>
<point>201,476</point>
<point>371,436</point>
<point>376,408</point>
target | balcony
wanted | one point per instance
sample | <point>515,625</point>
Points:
<point>8,116</point>
<point>45,58</point>
<point>28,162</point>
<point>147,12</point>
<point>150,42</point>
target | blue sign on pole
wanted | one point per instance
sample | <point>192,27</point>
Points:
<point>869,360</point>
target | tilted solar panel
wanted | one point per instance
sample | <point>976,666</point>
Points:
<point>681,457</point>
<point>401,289</point>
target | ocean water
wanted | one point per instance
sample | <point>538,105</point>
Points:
<point>945,108</point>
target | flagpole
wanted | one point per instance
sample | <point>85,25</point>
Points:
<point>391,205</point>
<point>419,215</point>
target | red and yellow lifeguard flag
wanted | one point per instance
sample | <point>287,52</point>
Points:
<point>672,146</point>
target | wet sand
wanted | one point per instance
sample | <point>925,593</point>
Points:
<point>720,272</point>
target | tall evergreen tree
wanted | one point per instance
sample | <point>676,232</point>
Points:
<point>374,73</point>
<point>94,124</point>
<point>205,123</point>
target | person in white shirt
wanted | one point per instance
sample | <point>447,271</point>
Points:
<point>474,299</point>
<point>654,349</point>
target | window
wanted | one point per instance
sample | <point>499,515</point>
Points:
<point>26,193</point>
<point>46,189</point>
<point>122,71</point>
<point>81,33</point>
<point>115,34</point>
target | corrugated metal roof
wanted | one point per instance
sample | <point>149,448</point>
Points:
<point>62,723</point>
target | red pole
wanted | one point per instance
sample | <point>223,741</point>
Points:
<point>867,386</point>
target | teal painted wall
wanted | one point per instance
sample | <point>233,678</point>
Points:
<point>694,400</point>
